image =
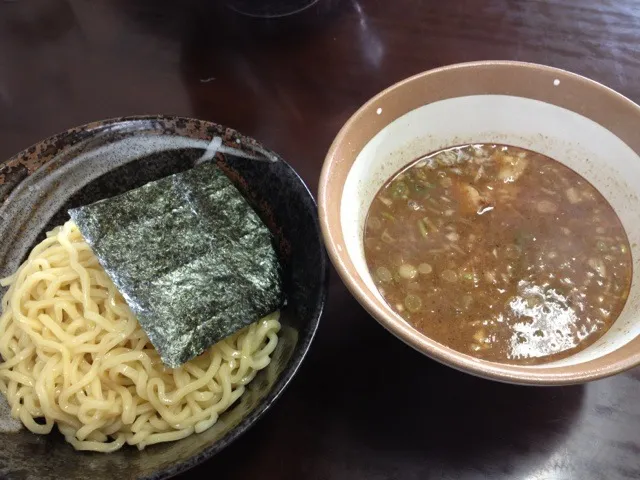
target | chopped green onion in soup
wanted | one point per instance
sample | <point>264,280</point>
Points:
<point>498,252</point>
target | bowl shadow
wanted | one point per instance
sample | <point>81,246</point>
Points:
<point>394,401</point>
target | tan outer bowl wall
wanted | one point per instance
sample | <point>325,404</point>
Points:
<point>588,98</point>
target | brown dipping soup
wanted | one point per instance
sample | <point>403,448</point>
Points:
<point>499,252</point>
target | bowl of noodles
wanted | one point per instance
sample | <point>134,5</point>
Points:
<point>84,391</point>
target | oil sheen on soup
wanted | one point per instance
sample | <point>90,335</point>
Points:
<point>499,252</point>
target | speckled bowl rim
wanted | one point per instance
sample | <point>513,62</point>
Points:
<point>199,129</point>
<point>528,80</point>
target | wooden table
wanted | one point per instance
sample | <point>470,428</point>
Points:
<point>363,406</point>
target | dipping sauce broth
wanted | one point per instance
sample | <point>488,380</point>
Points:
<point>499,252</point>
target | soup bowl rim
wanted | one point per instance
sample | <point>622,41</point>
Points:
<point>329,194</point>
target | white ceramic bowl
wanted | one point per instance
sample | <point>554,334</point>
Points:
<point>579,122</point>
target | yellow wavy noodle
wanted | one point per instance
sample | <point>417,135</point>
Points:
<point>75,356</point>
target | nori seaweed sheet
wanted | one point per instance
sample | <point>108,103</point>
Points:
<point>190,256</point>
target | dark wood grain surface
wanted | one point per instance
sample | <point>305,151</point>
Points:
<point>363,406</point>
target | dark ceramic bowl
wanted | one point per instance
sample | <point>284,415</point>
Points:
<point>106,158</point>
